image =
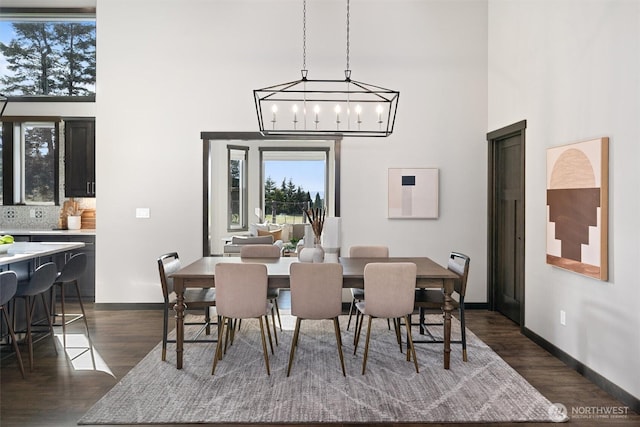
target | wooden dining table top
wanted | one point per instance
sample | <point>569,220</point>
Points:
<point>201,273</point>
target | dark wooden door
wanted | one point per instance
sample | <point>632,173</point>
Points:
<point>79,158</point>
<point>506,221</point>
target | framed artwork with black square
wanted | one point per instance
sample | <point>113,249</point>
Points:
<point>413,193</point>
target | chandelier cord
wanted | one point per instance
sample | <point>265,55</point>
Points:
<point>348,15</point>
<point>304,36</point>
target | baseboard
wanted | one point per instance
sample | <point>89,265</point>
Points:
<point>128,306</point>
<point>629,400</point>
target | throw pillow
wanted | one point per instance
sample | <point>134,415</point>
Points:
<point>254,227</point>
<point>277,234</point>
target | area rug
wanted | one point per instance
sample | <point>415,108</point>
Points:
<point>484,389</point>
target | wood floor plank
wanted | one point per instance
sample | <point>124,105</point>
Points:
<point>56,394</point>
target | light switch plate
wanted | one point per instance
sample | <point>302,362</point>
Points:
<point>142,212</point>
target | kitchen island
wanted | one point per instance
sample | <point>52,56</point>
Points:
<point>85,236</point>
<point>34,252</point>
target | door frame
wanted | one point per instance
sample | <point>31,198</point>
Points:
<point>493,139</point>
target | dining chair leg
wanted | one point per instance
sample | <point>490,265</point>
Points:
<point>14,341</point>
<point>336,326</point>
<point>294,344</point>
<point>356,337</point>
<point>396,327</point>
<point>165,331</point>
<point>359,318</point>
<point>366,344</point>
<point>218,355</point>
<point>266,319</point>
<point>226,338</point>
<point>264,346</point>
<point>413,348</point>
<point>221,321</point>
<point>351,307</point>
<point>275,303</point>
<point>273,318</point>
<point>463,332</point>
<point>207,321</point>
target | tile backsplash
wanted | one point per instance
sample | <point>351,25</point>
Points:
<point>35,217</point>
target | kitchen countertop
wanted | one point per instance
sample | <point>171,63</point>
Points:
<point>25,251</point>
<point>31,232</point>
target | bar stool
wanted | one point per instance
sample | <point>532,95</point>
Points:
<point>8,287</point>
<point>71,272</point>
<point>40,282</point>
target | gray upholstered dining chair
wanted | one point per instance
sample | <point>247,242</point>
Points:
<point>268,252</point>
<point>40,282</point>
<point>195,299</point>
<point>8,287</point>
<point>390,290</point>
<point>71,272</point>
<point>241,291</point>
<point>433,299</point>
<point>316,294</point>
<point>357,294</point>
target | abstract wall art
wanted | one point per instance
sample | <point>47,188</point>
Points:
<point>413,193</point>
<point>577,207</point>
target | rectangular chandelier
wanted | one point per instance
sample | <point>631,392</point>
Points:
<point>326,107</point>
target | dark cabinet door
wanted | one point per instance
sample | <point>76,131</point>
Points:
<point>79,158</point>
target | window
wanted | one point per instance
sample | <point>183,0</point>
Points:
<point>48,52</point>
<point>237,182</point>
<point>30,162</point>
<point>292,180</point>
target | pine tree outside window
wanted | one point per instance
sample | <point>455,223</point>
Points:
<point>48,53</point>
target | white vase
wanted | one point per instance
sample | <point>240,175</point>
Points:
<point>315,254</point>
<point>318,255</point>
<point>74,222</point>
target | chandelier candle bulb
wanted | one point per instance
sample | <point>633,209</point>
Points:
<point>316,110</point>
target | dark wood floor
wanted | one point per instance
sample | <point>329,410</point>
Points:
<point>55,394</point>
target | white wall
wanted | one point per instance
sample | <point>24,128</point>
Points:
<point>570,68</point>
<point>168,70</point>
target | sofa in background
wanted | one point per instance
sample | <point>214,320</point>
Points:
<point>279,235</point>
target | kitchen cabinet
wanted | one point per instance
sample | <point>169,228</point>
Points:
<point>79,158</point>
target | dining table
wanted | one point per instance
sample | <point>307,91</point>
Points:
<point>201,274</point>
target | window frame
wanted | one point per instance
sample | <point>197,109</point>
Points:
<point>312,148</point>
<point>61,13</point>
<point>9,152</point>
<point>210,162</point>
<point>243,210</point>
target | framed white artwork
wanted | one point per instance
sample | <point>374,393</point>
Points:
<point>413,193</point>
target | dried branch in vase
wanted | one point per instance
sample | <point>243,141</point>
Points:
<point>316,219</point>
<point>71,208</point>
